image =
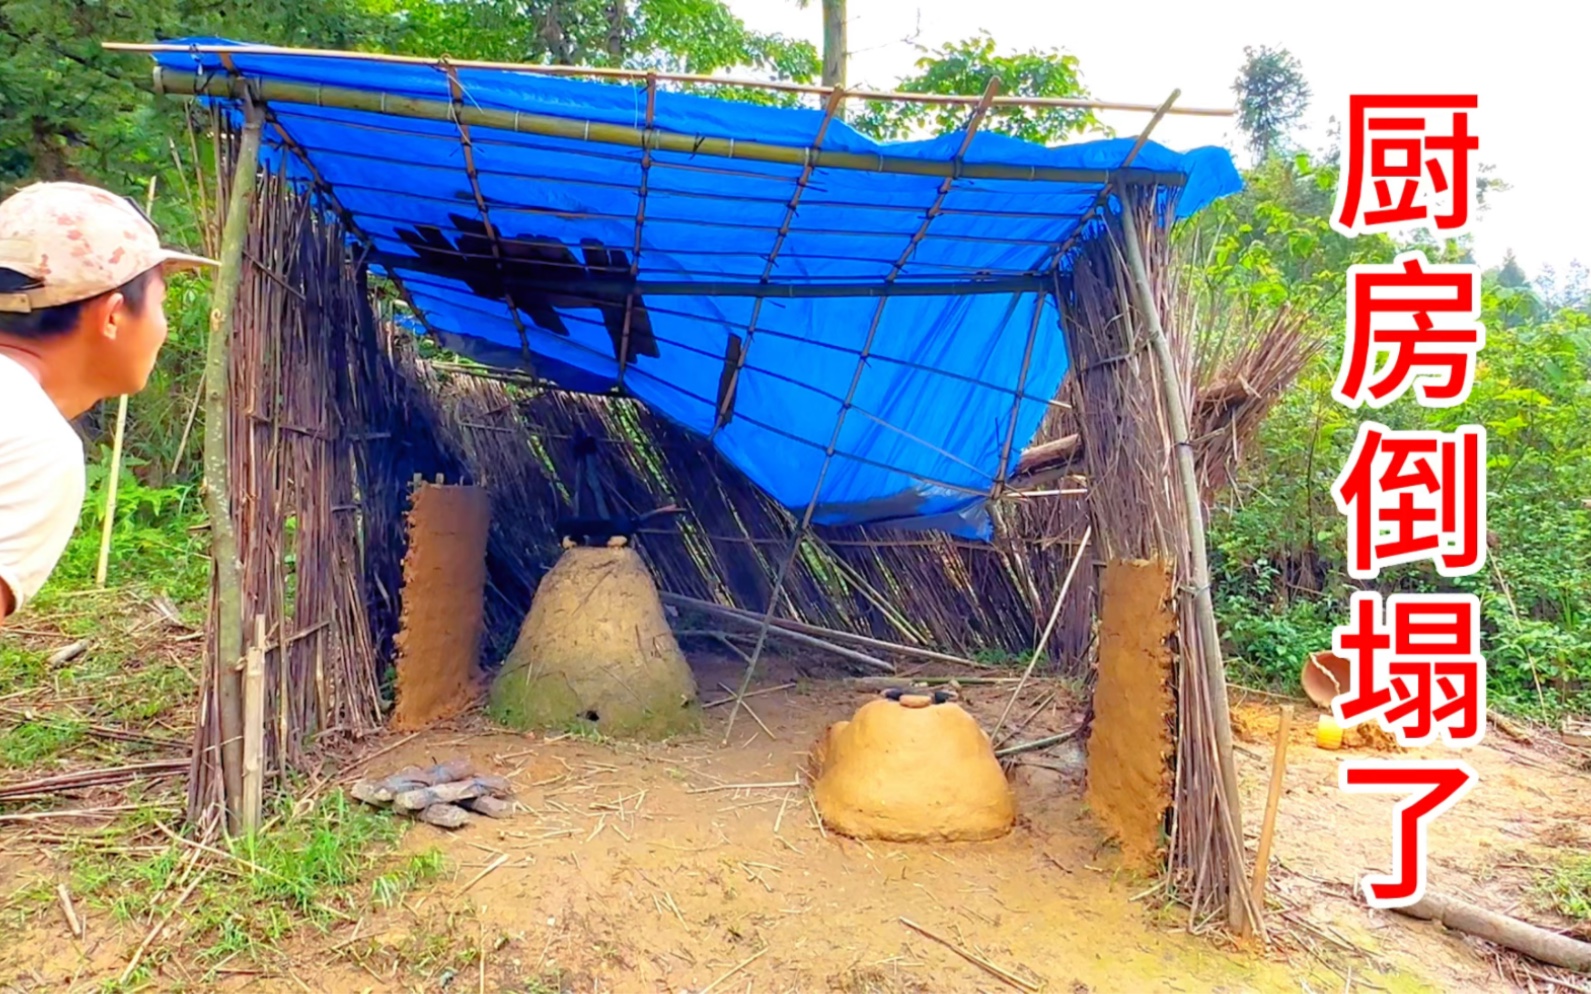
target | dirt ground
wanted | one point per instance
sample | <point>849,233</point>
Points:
<point>698,866</point>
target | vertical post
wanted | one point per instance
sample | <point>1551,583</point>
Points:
<point>834,43</point>
<point>1199,565</point>
<point>110,493</point>
<point>115,477</point>
<point>1262,855</point>
<point>254,731</point>
<point>217,470</point>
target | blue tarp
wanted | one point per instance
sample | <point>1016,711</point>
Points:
<point>932,401</point>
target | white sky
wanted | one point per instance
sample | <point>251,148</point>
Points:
<point>1528,61</point>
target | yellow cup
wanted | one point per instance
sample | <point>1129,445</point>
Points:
<point>1328,734</point>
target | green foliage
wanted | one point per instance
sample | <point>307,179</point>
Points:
<point>310,871</point>
<point>695,36</point>
<point>965,68</point>
<point>1277,540</point>
<point>1272,95</point>
<point>1567,888</point>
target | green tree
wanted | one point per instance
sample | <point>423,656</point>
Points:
<point>965,68</point>
<point>695,36</point>
<point>1272,95</point>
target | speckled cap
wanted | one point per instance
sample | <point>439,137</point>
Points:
<point>76,242</point>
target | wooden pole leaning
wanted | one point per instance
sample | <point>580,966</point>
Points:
<point>1198,566</point>
<point>217,476</point>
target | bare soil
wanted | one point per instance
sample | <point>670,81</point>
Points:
<point>698,865</point>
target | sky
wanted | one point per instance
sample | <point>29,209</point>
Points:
<point>1527,61</point>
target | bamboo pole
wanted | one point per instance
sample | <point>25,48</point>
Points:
<point>254,730</point>
<point>574,129</point>
<point>602,72</point>
<point>1199,566</point>
<point>955,164</point>
<point>217,474</point>
<point>1038,650</point>
<point>1262,856</point>
<point>112,483</point>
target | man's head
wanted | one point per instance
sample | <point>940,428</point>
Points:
<point>82,285</point>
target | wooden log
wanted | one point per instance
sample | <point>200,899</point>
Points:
<point>1047,454</point>
<point>1262,858</point>
<point>253,731</point>
<point>1522,937</point>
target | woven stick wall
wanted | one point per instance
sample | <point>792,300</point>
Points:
<point>312,403</point>
<point>1138,514</point>
<point>915,588</point>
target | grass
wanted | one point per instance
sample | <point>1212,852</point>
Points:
<point>1568,888</point>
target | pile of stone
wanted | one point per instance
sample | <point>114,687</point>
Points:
<point>443,795</point>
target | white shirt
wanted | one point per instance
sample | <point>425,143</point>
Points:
<point>41,482</point>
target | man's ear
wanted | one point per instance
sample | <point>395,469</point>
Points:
<point>101,314</point>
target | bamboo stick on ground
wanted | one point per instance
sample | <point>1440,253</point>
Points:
<point>1262,856</point>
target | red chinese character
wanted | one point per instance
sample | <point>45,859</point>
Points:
<point>1444,357</point>
<point>1420,677</point>
<point>1402,157</point>
<point>1436,786</point>
<point>1413,495</point>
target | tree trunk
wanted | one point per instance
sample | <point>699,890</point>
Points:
<point>217,467</point>
<point>834,43</point>
<point>616,22</point>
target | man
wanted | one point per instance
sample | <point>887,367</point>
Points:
<point>82,318</point>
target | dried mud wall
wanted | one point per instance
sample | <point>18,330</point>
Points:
<point>1130,745</point>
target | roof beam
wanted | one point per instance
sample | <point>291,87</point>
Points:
<point>596,72</point>
<point>597,290</point>
<point>574,129</point>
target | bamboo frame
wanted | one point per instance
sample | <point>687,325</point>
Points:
<point>640,224</point>
<point>1102,198</point>
<point>831,109</point>
<point>169,83</point>
<point>468,149</point>
<point>777,86</point>
<point>1238,913</point>
<point>973,121</point>
<point>217,472</point>
<point>594,290</point>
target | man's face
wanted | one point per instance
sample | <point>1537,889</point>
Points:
<point>133,337</point>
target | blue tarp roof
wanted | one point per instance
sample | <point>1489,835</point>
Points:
<point>932,402</point>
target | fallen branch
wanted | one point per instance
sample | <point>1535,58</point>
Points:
<point>94,778</point>
<point>998,973</point>
<point>1508,728</point>
<point>1037,744</point>
<point>1522,937</point>
<point>785,624</point>
<point>72,921</point>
